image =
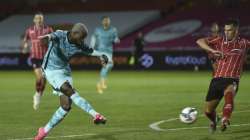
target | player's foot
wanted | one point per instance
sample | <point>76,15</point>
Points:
<point>213,125</point>
<point>224,124</point>
<point>41,134</point>
<point>99,88</point>
<point>36,101</point>
<point>99,119</point>
<point>103,84</point>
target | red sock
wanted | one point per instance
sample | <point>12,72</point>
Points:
<point>40,85</point>
<point>229,104</point>
<point>211,116</point>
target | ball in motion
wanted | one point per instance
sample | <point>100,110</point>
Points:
<point>188,115</point>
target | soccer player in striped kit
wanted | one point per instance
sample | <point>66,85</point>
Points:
<point>230,51</point>
<point>38,50</point>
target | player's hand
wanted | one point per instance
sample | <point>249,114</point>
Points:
<point>24,49</point>
<point>104,59</point>
<point>217,54</point>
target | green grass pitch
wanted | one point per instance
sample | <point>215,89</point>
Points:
<point>132,102</point>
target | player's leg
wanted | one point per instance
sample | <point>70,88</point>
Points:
<point>79,101</point>
<point>210,112</point>
<point>213,98</point>
<point>40,81</point>
<point>40,85</point>
<point>104,74</point>
<point>102,84</point>
<point>229,93</point>
<point>61,112</point>
<point>210,109</point>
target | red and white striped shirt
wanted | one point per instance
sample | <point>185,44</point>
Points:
<point>234,52</point>
<point>38,48</point>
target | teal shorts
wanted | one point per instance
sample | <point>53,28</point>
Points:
<point>57,78</point>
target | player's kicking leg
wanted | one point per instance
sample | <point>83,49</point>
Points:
<point>229,94</point>
<point>213,98</point>
<point>70,95</point>
<point>40,85</point>
<point>62,111</point>
<point>210,112</point>
<point>67,90</point>
<point>102,84</point>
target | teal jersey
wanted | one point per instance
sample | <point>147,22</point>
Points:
<point>103,40</point>
<point>61,50</point>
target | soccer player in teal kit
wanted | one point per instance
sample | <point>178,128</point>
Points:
<point>103,40</point>
<point>62,46</point>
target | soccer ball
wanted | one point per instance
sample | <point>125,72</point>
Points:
<point>188,115</point>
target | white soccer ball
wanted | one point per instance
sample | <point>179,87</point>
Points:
<point>188,115</point>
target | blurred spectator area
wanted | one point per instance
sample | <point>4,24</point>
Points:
<point>28,6</point>
<point>8,7</point>
<point>14,26</point>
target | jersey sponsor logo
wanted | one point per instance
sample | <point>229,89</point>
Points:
<point>235,52</point>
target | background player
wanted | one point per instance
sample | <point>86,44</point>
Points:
<point>139,44</point>
<point>103,40</point>
<point>230,51</point>
<point>214,33</point>
<point>38,50</point>
<point>63,45</point>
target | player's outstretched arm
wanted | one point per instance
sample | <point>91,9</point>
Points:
<point>103,57</point>
<point>24,46</point>
<point>202,43</point>
<point>92,52</point>
<point>45,37</point>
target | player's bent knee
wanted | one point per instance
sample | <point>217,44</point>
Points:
<point>67,89</point>
<point>66,107</point>
<point>209,108</point>
<point>230,88</point>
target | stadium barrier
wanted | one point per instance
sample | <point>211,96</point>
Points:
<point>168,60</point>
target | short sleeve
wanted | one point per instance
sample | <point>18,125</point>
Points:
<point>56,35</point>
<point>86,50</point>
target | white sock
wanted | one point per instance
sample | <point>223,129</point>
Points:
<point>83,104</point>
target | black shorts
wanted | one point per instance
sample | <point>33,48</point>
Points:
<point>217,87</point>
<point>36,63</point>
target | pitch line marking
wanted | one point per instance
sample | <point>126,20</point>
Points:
<point>73,136</point>
<point>155,125</point>
<point>55,137</point>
